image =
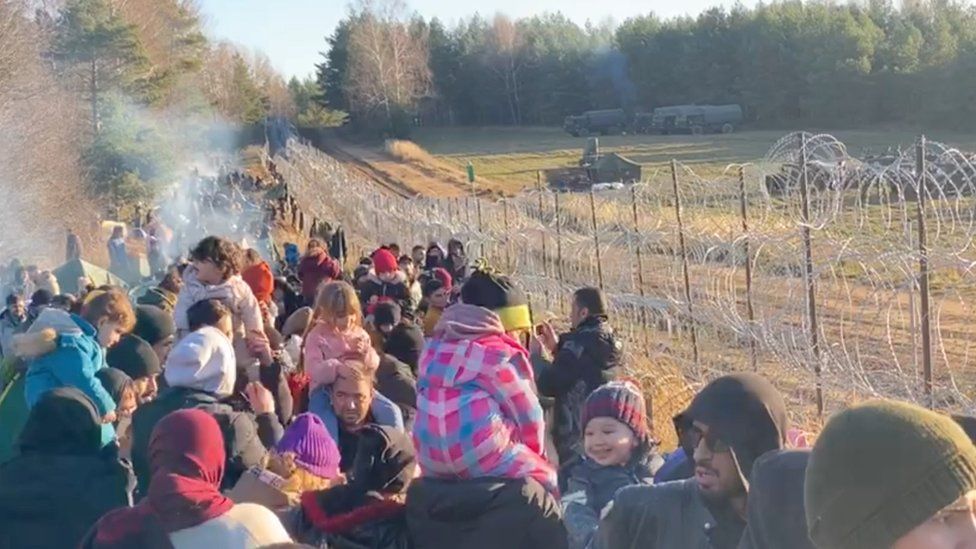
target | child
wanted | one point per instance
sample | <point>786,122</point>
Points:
<point>65,350</point>
<point>368,511</point>
<point>336,332</point>
<point>305,459</point>
<point>214,275</point>
<point>618,452</point>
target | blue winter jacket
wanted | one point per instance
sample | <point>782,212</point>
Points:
<point>62,350</point>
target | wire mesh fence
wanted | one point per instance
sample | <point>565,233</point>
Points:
<point>818,269</point>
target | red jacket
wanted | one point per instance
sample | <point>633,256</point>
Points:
<point>315,267</point>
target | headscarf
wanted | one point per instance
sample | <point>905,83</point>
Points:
<point>186,457</point>
<point>63,422</point>
<point>261,280</point>
<point>115,382</point>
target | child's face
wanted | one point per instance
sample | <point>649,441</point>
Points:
<point>608,441</point>
<point>342,322</point>
<point>128,402</point>
<point>440,298</point>
<point>109,333</point>
<point>208,272</point>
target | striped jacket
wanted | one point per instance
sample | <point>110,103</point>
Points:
<point>477,411</point>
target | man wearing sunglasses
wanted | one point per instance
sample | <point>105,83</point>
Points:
<point>730,423</point>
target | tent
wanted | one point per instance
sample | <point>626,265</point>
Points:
<point>69,273</point>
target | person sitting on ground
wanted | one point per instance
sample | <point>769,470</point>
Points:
<point>583,359</point>
<point>775,514</point>
<point>214,275</point>
<point>407,267</point>
<point>65,350</point>
<point>164,295</point>
<point>456,261</point>
<point>386,283</point>
<point>618,452</point>
<point>157,328</point>
<point>369,510</point>
<point>473,362</point>
<point>892,475</point>
<point>337,332</point>
<point>61,482</point>
<point>12,321</point>
<point>199,373</point>
<point>133,356</point>
<point>437,293</point>
<point>397,335</point>
<point>183,507</point>
<point>315,268</point>
<point>123,392</point>
<point>355,403</point>
<point>305,459</point>
<point>736,418</point>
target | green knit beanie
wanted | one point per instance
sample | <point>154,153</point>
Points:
<point>880,469</point>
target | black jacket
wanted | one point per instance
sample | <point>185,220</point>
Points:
<point>484,514</point>
<point>775,509</point>
<point>247,437</point>
<point>395,381</point>
<point>52,501</point>
<point>586,358</point>
<point>397,291</point>
<point>379,525</point>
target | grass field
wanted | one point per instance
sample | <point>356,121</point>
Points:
<point>510,157</point>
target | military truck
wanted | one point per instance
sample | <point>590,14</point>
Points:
<point>604,122</point>
<point>694,119</point>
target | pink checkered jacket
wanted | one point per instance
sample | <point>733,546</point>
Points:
<point>478,414</point>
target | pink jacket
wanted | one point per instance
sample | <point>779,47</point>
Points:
<point>477,411</point>
<point>325,346</point>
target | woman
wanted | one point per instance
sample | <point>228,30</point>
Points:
<point>184,507</point>
<point>61,482</point>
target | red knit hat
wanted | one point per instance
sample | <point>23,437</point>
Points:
<point>261,280</point>
<point>622,401</point>
<point>440,273</point>
<point>384,261</point>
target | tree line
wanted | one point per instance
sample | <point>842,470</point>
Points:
<point>786,63</point>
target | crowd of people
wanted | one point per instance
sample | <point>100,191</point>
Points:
<point>413,402</point>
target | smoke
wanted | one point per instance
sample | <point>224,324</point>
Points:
<point>609,66</point>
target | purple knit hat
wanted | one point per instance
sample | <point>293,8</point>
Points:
<point>314,449</point>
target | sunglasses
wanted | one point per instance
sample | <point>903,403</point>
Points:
<point>714,444</point>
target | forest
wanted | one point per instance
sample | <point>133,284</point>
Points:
<point>790,63</point>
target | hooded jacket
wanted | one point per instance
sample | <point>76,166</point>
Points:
<point>62,481</point>
<point>406,343</point>
<point>203,360</point>
<point>315,267</point>
<point>368,512</point>
<point>484,513</point>
<point>247,437</point>
<point>585,358</point>
<point>374,290</point>
<point>62,350</point>
<point>776,517</point>
<point>477,411</point>
<point>250,341</point>
<point>457,265</point>
<point>746,412</point>
<point>395,381</point>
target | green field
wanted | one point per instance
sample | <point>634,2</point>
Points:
<point>512,156</point>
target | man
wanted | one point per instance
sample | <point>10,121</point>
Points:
<point>736,418</point>
<point>157,328</point>
<point>584,359</point>
<point>419,256</point>
<point>134,356</point>
<point>72,247</point>
<point>12,320</point>
<point>352,401</point>
<point>890,474</point>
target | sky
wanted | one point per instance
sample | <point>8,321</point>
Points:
<point>292,32</point>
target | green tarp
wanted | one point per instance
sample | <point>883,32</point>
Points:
<point>69,273</point>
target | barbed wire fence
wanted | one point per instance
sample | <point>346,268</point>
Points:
<point>839,278</point>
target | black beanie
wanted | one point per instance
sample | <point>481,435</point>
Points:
<point>153,324</point>
<point>41,297</point>
<point>386,313</point>
<point>134,356</point>
<point>501,295</point>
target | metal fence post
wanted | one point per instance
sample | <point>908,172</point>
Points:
<point>923,270</point>
<point>808,275</point>
<point>684,263</point>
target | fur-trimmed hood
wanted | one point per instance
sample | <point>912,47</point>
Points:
<point>42,337</point>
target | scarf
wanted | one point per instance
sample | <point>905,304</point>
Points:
<point>186,455</point>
